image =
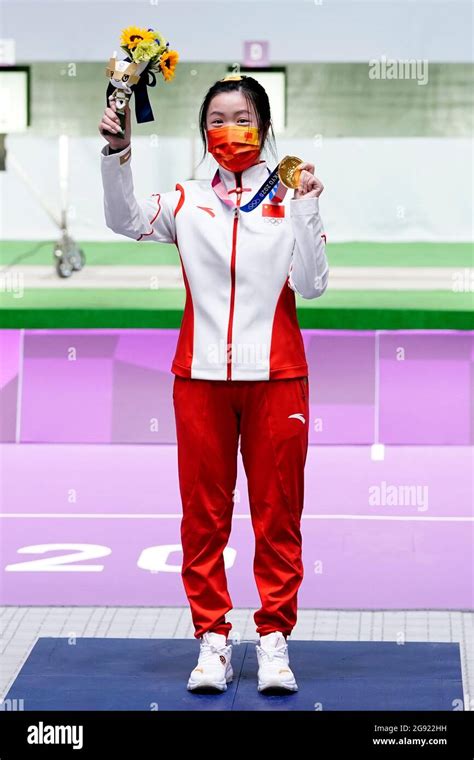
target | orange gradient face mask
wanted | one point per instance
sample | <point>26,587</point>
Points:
<point>234,147</point>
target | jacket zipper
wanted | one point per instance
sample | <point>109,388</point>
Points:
<point>232,279</point>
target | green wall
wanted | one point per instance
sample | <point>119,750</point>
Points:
<point>331,99</point>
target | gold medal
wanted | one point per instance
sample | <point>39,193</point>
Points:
<point>287,171</point>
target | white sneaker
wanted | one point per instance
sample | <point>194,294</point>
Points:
<point>274,670</point>
<point>213,669</point>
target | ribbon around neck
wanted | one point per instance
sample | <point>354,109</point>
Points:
<point>272,187</point>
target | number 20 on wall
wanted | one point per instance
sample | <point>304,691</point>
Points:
<point>155,559</point>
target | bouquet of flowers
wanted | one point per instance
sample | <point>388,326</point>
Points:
<point>147,54</point>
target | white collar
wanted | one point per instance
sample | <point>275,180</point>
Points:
<point>254,175</point>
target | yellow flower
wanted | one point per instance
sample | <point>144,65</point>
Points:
<point>133,35</point>
<point>147,51</point>
<point>168,63</point>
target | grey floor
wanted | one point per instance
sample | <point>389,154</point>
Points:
<point>20,627</point>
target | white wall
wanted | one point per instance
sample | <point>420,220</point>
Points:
<point>375,189</point>
<point>214,30</point>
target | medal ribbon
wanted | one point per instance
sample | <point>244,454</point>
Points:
<point>272,187</point>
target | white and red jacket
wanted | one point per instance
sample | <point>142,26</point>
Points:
<point>240,269</point>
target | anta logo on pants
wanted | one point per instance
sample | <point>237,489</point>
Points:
<point>297,416</point>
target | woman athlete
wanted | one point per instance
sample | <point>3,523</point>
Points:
<point>241,376</point>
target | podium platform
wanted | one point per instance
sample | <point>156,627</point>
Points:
<point>151,674</point>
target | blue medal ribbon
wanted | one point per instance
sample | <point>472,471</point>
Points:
<point>261,194</point>
<point>271,187</point>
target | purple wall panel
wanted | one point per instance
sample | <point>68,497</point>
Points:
<point>118,387</point>
<point>67,401</point>
<point>145,415</point>
<point>9,364</point>
<point>425,388</point>
<point>342,385</point>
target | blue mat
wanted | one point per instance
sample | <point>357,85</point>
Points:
<point>151,674</point>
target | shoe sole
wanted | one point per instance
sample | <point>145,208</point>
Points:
<point>217,686</point>
<point>276,685</point>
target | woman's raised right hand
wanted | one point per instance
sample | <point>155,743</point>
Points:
<point>110,124</point>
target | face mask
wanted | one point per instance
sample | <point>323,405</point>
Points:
<point>234,147</point>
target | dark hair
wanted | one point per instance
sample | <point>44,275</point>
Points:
<point>255,96</point>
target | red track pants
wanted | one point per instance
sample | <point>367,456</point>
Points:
<point>271,417</point>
